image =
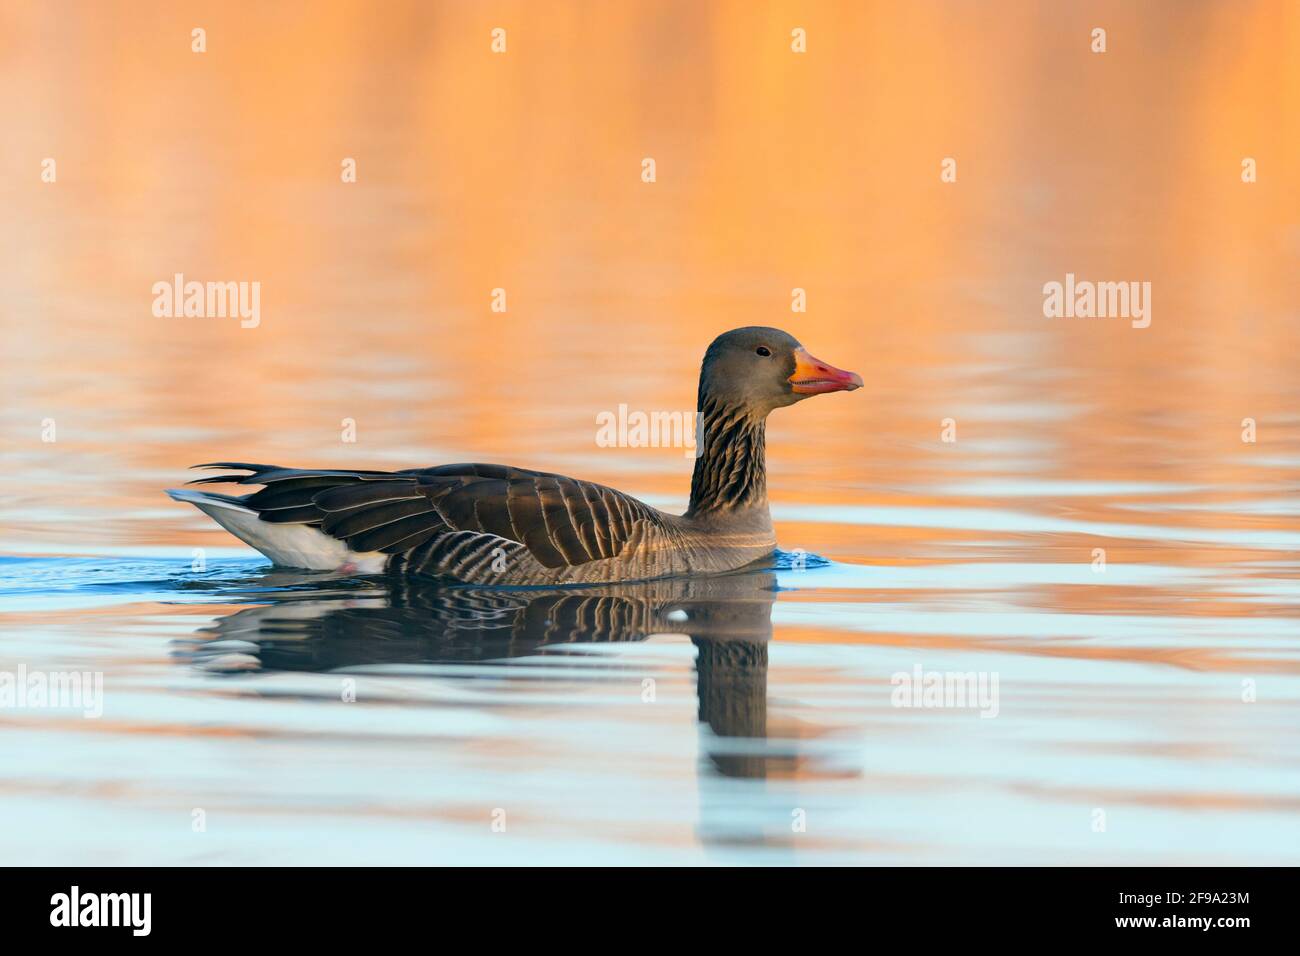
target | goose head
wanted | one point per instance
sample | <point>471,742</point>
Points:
<point>759,369</point>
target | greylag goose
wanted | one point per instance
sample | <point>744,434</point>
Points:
<point>496,524</point>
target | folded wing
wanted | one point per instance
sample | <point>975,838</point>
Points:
<point>458,516</point>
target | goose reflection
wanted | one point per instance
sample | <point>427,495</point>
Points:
<point>307,625</point>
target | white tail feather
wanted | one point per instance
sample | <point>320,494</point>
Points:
<point>288,545</point>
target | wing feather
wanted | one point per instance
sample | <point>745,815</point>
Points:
<point>451,517</point>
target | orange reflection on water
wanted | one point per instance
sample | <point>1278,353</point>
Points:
<point>521,171</point>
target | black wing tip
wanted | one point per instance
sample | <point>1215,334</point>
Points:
<point>216,480</point>
<point>237,465</point>
<point>254,470</point>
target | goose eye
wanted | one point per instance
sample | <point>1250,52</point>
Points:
<point>763,350</point>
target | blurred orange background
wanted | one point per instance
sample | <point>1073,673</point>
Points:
<point>522,170</point>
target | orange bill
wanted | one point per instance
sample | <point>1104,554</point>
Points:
<point>812,376</point>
